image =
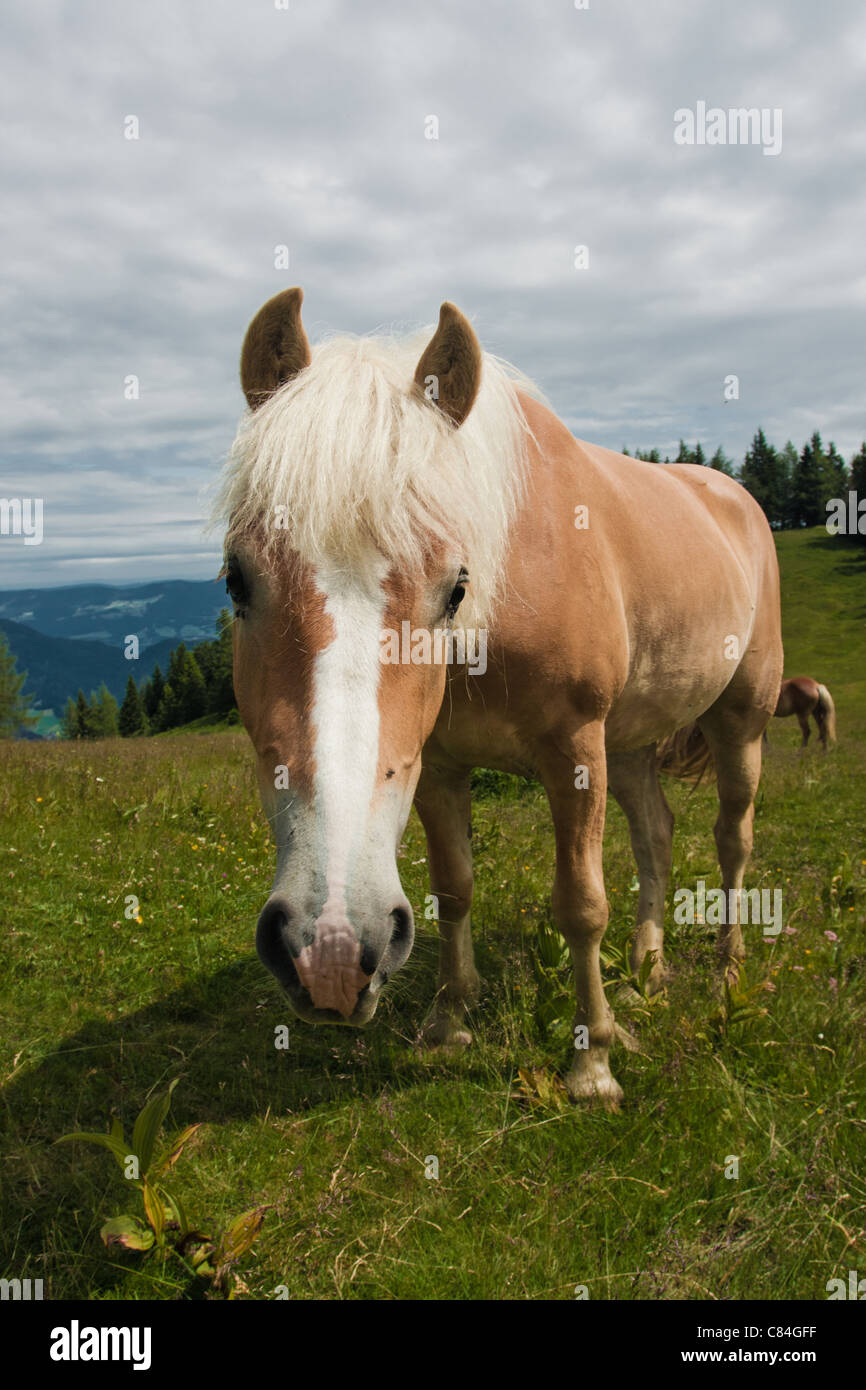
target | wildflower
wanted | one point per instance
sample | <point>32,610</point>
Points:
<point>831,936</point>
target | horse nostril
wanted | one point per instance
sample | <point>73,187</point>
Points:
<point>272,940</point>
<point>402,927</point>
<point>368,961</point>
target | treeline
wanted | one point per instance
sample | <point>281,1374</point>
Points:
<point>792,486</point>
<point>14,702</point>
<point>198,682</point>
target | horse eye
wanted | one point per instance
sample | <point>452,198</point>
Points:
<point>235,585</point>
<point>457,594</point>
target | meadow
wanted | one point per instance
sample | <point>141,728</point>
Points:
<point>336,1133</point>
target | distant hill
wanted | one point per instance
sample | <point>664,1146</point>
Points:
<point>73,637</point>
<point>57,666</point>
<point>175,610</point>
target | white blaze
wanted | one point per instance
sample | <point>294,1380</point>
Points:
<point>346,721</point>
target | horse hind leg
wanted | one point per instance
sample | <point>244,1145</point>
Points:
<point>633,781</point>
<point>803,721</point>
<point>819,714</point>
<point>736,750</point>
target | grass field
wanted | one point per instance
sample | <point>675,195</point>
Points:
<point>336,1133</point>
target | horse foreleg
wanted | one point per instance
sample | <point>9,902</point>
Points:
<point>633,780</point>
<point>444,805</point>
<point>576,786</point>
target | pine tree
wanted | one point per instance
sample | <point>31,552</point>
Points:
<point>857,485</point>
<point>14,704</point>
<point>824,486</point>
<point>168,714</point>
<point>762,475</point>
<point>698,456</point>
<point>193,695</point>
<point>152,695</point>
<point>103,713</point>
<point>806,508</point>
<point>221,691</point>
<point>187,683</point>
<point>835,475</point>
<point>132,719</point>
<point>722,463</point>
<point>788,459</point>
<point>83,717</point>
<point>69,720</point>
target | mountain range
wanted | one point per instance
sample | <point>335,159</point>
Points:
<point>74,636</point>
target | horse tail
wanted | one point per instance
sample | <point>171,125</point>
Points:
<point>685,755</point>
<point>826,711</point>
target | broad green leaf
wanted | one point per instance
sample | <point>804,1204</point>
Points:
<point>200,1257</point>
<point>176,1211</point>
<point>127,1231</point>
<point>147,1127</point>
<point>106,1141</point>
<point>169,1156</point>
<point>549,947</point>
<point>240,1235</point>
<point>153,1209</point>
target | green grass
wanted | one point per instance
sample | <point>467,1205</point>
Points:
<point>531,1199</point>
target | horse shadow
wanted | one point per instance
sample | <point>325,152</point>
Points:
<point>239,1052</point>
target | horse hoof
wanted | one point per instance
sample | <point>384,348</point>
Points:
<point>595,1090</point>
<point>444,1033</point>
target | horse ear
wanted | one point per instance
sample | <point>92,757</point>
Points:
<point>275,348</point>
<point>449,371</point>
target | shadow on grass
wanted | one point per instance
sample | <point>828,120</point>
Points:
<point>218,1034</point>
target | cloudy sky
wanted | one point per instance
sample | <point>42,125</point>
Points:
<point>306,126</point>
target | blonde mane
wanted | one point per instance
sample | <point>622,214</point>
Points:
<point>346,461</point>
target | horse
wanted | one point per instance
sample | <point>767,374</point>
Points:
<point>803,696</point>
<point>387,496</point>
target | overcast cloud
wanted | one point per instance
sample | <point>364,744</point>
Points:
<point>306,127</point>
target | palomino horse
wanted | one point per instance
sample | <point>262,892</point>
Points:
<point>384,493</point>
<point>803,696</point>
